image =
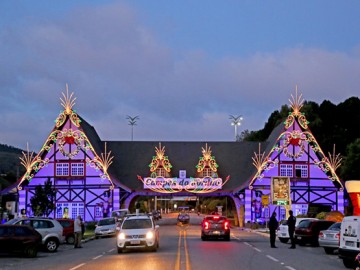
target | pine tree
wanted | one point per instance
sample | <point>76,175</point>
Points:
<point>42,203</point>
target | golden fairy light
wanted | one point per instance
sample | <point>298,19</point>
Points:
<point>206,152</point>
<point>160,152</point>
<point>334,160</point>
<point>106,160</point>
<point>68,102</point>
<point>258,159</point>
<point>296,102</point>
<point>27,159</point>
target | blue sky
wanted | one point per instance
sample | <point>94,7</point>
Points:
<point>182,66</point>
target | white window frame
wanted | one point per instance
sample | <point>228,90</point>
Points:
<point>287,170</point>
<point>62,169</point>
<point>304,170</point>
<point>77,169</point>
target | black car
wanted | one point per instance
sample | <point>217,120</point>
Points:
<point>19,238</point>
<point>215,227</point>
<point>307,232</point>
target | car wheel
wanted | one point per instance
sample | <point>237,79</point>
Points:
<point>70,239</point>
<point>329,250</point>
<point>203,237</point>
<point>227,237</point>
<point>51,245</point>
<point>348,263</point>
<point>284,240</point>
<point>31,251</point>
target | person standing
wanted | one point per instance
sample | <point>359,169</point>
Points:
<point>273,225</point>
<point>291,221</point>
<point>78,232</point>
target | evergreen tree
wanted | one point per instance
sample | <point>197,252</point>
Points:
<point>42,203</point>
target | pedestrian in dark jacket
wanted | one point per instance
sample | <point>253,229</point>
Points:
<point>291,226</point>
<point>273,225</point>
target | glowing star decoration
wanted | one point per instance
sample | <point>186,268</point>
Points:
<point>102,163</point>
<point>68,101</point>
<point>329,165</point>
<point>262,164</point>
<point>297,103</point>
<point>207,161</point>
<point>159,161</point>
<point>32,165</point>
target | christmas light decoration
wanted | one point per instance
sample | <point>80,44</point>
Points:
<point>296,138</point>
<point>102,163</point>
<point>159,161</point>
<point>68,102</point>
<point>32,165</point>
<point>207,161</point>
<point>205,184</point>
<point>262,164</point>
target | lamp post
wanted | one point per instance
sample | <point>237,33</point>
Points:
<point>132,123</point>
<point>236,121</point>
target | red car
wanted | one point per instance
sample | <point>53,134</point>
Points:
<point>215,227</point>
<point>68,232</point>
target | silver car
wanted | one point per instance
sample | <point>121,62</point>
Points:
<point>138,232</point>
<point>329,239</point>
<point>105,227</point>
<point>50,230</point>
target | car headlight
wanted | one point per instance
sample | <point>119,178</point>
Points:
<point>150,235</point>
<point>121,236</point>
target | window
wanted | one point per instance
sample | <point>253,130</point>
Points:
<point>62,169</point>
<point>286,170</point>
<point>160,172</point>
<point>207,172</point>
<point>301,171</point>
<point>77,169</point>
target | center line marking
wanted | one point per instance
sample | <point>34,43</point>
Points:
<point>258,250</point>
<point>97,257</point>
<point>272,258</point>
<point>78,266</point>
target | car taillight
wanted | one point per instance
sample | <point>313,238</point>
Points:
<point>321,234</point>
<point>337,236</point>
<point>206,225</point>
<point>226,225</point>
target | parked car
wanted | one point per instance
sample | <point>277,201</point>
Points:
<point>120,214</point>
<point>283,230</point>
<point>329,239</point>
<point>20,238</point>
<point>215,227</point>
<point>183,218</point>
<point>349,241</point>
<point>138,232</point>
<point>68,229</point>
<point>307,232</point>
<point>50,230</point>
<point>105,227</point>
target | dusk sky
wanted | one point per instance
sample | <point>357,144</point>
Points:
<point>182,66</point>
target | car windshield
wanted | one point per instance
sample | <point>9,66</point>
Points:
<point>335,227</point>
<point>137,224</point>
<point>108,221</point>
<point>304,223</point>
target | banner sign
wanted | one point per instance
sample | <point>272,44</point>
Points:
<point>280,190</point>
<point>183,183</point>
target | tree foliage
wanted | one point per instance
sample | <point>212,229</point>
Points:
<point>43,201</point>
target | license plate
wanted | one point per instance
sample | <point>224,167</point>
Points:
<point>216,232</point>
<point>349,244</point>
<point>135,242</point>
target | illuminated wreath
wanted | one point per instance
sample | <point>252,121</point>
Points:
<point>69,137</point>
<point>294,139</point>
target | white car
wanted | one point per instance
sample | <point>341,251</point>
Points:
<point>283,230</point>
<point>138,232</point>
<point>105,227</point>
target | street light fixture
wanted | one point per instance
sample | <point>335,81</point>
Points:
<point>236,121</point>
<point>132,123</point>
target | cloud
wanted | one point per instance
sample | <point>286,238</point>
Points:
<point>117,66</point>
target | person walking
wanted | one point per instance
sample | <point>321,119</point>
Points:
<point>273,225</point>
<point>291,221</point>
<point>78,232</point>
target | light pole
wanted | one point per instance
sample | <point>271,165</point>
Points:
<point>132,123</point>
<point>236,121</point>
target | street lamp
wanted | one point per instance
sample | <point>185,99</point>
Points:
<point>236,121</point>
<point>132,123</point>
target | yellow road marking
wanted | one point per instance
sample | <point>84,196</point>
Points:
<point>187,265</point>
<point>177,265</point>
